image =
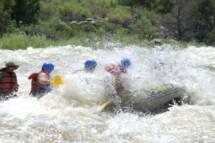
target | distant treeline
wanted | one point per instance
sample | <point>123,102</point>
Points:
<point>183,20</point>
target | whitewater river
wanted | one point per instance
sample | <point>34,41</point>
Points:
<point>71,113</point>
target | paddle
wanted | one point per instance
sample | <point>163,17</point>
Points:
<point>108,104</point>
<point>57,80</point>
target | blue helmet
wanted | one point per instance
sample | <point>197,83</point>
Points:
<point>51,66</point>
<point>125,62</point>
<point>90,64</point>
<point>48,67</point>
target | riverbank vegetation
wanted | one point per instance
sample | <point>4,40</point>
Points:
<point>41,23</point>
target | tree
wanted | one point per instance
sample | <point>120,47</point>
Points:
<point>179,21</point>
<point>204,14</point>
<point>5,15</point>
<point>161,6</point>
<point>26,11</point>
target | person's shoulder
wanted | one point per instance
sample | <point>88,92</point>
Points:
<point>42,74</point>
<point>33,75</point>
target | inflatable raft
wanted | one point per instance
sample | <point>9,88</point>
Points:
<point>153,100</point>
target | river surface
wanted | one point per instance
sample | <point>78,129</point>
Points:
<point>71,112</point>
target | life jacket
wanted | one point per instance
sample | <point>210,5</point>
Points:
<point>36,87</point>
<point>8,82</point>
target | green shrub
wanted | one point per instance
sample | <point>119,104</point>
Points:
<point>76,29</point>
<point>103,27</point>
<point>51,29</point>
<point>49,9</point>
<point>14,41</point>
<point>210,37</point>
<point>144,25</point>
<point>6,24</point>
<point>73,11</point>
<point>99,7</point>
<point>119,14</point>
<point>39,41</point>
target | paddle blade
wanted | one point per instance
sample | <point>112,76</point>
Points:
<point>107,105</point>
<point>57,80</point>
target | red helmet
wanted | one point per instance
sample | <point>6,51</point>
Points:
<point>109,67</point>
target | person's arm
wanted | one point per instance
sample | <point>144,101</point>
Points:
<point>16,85</point>
<point>43,79</point>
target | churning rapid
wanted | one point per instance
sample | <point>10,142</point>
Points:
<point>71,113</point>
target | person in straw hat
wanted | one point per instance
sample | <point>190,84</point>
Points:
<point>8,81</point>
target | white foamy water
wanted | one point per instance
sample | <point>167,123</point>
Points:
<point>70,113</point>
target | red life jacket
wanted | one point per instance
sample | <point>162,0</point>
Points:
<point>8,82</point>
<point>36,87</point>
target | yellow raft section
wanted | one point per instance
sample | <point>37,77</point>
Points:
<point>106,105</point>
